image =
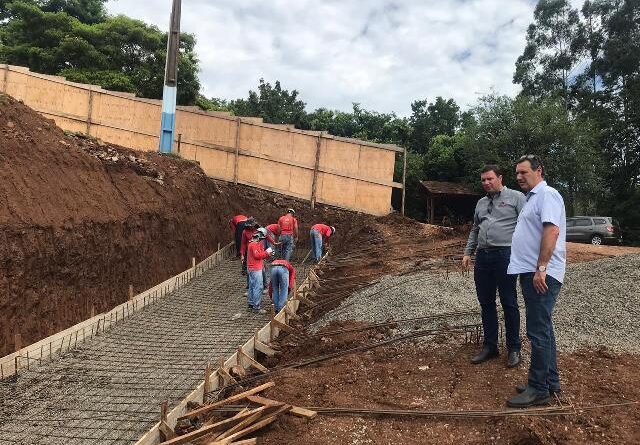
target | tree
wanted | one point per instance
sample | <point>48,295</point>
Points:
<point>87,11</point>
<point>273,104</point>
<point>621,79</point>
<point>429,120</point>
<point>544,69</point>
<point>508,128</point>
<point>118,53</point>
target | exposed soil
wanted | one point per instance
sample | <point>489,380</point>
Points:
<point>80,220</point>
<point>580,253</point>
<point>440,377</point>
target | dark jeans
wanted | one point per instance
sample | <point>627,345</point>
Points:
<point>490,273</point>
<point>543,371</point>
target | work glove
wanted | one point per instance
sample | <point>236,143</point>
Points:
<point>269,251</point>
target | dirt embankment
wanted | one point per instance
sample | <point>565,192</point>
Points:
<point>80,220</point>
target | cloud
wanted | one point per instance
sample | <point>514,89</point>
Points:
<point>383,54</point>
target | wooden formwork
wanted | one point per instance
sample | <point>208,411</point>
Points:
<point>316,166</point>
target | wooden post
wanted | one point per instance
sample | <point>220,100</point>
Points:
<point>90,111</point>
<point>237,151</point>
<point>404,178</point>
<point>179,142</point>
<point>130,296</point>
<point>432,211</point>
<point>314,185</point>
<point>5,78</point>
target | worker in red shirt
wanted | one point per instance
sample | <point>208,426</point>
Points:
<point>283,278</point>
<point>288,233</point>
<point>269,241</point>
<point>319,234</point>
<point>273,230</point>
<point>237,234</point>
<point>256,255</point>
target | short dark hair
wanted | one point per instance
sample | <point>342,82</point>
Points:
<point>492,168</point>
<point>534,160</point>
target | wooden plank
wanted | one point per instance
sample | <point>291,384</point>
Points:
<point>295,410</point>
<point>253,441</point>
<point>256,426</point>
<point>264,348</point>
<point>285,327</point>
<point>303,412</point>
<point>256,414</point>
<point>231,399</point>
<point>251,361</point>
<point>263,401</point>
<point>218,426</point>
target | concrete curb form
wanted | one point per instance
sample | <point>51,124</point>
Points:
<point>264,335</point>
<point>69,338</point>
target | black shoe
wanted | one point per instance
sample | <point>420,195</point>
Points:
<point>513,359</point>
<point>528,397</point>
<point>484,355</point>
<point>522,388</point>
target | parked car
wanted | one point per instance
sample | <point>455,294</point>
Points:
<point>593,229</point>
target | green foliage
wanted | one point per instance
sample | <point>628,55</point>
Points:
<point>273,104</point>
<point>544,68</point>
<point>78,41</point>
<point>603,39</point>
<point>213,104</point>
<point>363,124</point>
<point>508,128</point>
<point>430,120</point>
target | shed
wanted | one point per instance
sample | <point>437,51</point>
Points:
<point>449,202</point>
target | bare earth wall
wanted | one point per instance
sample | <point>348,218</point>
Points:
<point>347,173</point>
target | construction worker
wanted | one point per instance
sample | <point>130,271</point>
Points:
<point>237,235</point>
<point>320,233</point>
<point>250,227</point>
<point>273,230</point>
<point>268,241</point>
<point>288,233</point>
<point>239,227</point>
<point>283,277</point>
<point>256,255</point>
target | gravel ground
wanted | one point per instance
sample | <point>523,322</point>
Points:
<point>599,304</point>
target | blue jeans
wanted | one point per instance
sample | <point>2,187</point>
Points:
<point>287,246</point>
<point>254,294</point>
<point>543,370</point>
<point>279,286</point>
<point>490,273</point>
<point>316,245</point>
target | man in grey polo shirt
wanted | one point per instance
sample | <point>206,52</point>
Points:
<point>494,221</point>
<point>539,257</point>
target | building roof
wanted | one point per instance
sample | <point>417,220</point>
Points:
<point>447,188</point>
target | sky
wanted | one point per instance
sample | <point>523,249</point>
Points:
<point>383,54</point>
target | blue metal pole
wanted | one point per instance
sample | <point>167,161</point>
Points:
<point>170,91</point>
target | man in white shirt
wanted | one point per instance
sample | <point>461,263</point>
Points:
<point>538,256</point>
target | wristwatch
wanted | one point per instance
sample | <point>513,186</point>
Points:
<point>542,268</point>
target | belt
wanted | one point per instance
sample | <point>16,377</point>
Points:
<point>491,249</point>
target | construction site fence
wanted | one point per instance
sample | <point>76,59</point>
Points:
<point>315,166</point>
<point>49,348</point>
